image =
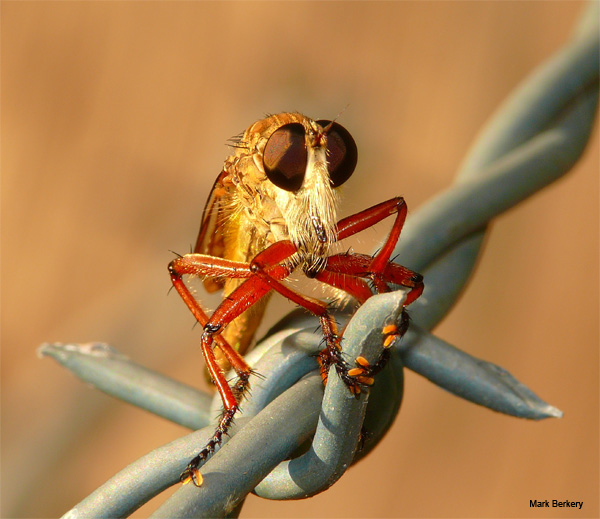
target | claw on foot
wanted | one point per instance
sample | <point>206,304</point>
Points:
<point>354,389</point>
<point>367,381</point>
<point>354,372</point>
<point>193,475</point>
<point>362,366</point>
<point>361,361</point>
<point>391,332</point>
<point>361,375</point>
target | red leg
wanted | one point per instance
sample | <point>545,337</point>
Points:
<point>251,290</point>
<point>197,264</point>
<point>345,271</point>
<point>331,354</point>
<point>202,265</point>
<point>369,217</point>
<point>346,274</point>
<point>359,265</point>
<point>351,284</point>
<point>265,273</point>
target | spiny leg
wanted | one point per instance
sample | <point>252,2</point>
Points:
<point>265,268</point>
<point>231,396</point>
<point>331,354</point>
<point>247,294</point>
<point>346,272</point>
<point>348,280</point>
<point>242,298</point>
<point>349,270</point>
<point>347,265</point>
<point>230,406</point>
<point>361,375</point>
<point>369,217</point>
<point>203,266</point>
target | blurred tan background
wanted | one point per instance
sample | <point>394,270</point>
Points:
<point>114,120</point>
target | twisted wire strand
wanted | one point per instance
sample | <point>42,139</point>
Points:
<point>535,138</point>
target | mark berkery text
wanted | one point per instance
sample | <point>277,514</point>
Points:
<point>555,503</point>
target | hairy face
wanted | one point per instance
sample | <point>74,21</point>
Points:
<point>292,165</point>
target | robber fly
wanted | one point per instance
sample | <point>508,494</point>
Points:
<point>273,211</point>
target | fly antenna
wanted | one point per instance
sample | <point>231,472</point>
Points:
<point>328,127</point>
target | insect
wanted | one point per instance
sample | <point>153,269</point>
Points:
<point>273,211</point>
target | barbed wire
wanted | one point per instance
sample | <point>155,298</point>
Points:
<point>535,138</point>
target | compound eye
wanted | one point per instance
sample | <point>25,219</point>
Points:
<point>342,153</point>
<point>285,157</point>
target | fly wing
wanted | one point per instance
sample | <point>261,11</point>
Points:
<point>211,238</point>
